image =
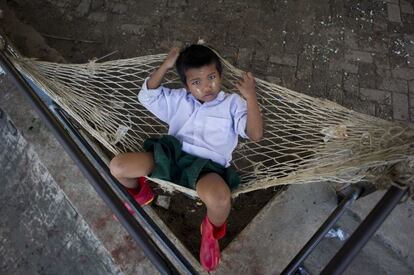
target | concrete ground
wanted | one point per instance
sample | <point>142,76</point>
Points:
<point>281,230</point>
<point>40,231</point>
<point>357,53</point>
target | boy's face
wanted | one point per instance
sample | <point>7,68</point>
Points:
<point>204,83</point>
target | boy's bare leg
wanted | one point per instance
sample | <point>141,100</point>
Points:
<point>129,166</point>
<point>215,193</point>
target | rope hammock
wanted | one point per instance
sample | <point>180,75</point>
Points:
<point>306,139</point>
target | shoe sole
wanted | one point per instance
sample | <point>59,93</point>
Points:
<point>148,202</point>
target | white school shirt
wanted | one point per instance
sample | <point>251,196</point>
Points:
<point>208,130</point>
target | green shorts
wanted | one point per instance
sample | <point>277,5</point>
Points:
<point>174,165</point>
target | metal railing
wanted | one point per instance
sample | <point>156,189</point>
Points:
<point>88,167</point>
<point>356,241</point>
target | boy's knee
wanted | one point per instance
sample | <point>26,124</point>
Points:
<point>221,198</point>
<point>217,196</point>
<point>116,167</point>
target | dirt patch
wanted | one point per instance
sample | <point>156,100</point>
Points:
<point>185,215</point>
<point>81,30</point>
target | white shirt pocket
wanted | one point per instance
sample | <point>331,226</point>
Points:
<point>217,131</point>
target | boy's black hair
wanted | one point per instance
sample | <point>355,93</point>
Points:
<point>196,56</point>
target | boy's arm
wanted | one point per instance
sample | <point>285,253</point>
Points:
<point>156,77</point>
<point>247,87</point>
<point>155,98</point>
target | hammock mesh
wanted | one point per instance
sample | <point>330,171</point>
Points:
<point>306,139</point>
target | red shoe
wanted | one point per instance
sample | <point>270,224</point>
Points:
<point>210,249</point>
<point>142,194</point>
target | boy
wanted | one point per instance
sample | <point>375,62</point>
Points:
<point>204,124</point>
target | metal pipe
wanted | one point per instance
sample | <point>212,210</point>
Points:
<point>107,194</point>
<point>364,232</point>
<point>320,234</point>
<point>142,215</point>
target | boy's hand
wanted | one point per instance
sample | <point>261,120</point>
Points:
<point>254,124</point>
<point>172,56</point>
<point>247,85</point>
<point>156,77</point>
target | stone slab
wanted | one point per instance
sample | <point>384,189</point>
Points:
<point>379,96</point>
<point>359,56</point>
<point>400,106</point>
<point>394,14</point>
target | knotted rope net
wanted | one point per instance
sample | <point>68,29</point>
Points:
<point>306,139</point>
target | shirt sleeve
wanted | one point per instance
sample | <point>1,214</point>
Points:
<point>240,116</point>
<point>159,101</point>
